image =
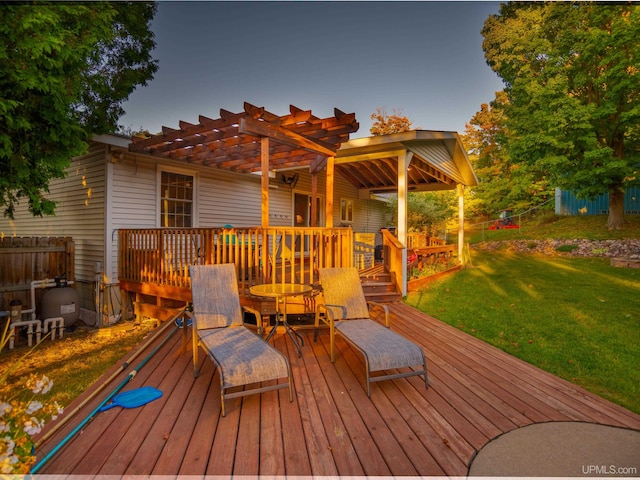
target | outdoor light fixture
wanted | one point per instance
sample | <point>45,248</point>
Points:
<point>290,180</point>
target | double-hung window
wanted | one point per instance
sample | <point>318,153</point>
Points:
<point>346,210</point>
<point>176,199</point>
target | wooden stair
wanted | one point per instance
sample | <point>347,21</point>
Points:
<point>379,286</point>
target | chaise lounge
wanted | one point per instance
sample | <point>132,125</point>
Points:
<point>346,312</point>
<point>242,357</point>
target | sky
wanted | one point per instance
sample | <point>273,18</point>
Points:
<point>420,59</point>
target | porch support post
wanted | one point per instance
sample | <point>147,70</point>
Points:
<point>264,164</point>
<point>314,199</point>
<point>461,257</point>
<point>329,192</point>
<point>404,158</point>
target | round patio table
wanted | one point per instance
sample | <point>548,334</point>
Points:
<point>280,292</point>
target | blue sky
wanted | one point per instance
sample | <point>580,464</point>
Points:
<point>421,58</point>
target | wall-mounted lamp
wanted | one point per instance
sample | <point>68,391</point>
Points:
<point>290,180</point>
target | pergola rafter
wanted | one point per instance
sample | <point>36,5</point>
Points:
<point>233,141</point>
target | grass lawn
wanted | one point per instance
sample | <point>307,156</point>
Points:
<point>591,227</point>
<point>574,317</point>
<point>73,363</point>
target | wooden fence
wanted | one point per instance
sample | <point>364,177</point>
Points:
<point>25,259</point>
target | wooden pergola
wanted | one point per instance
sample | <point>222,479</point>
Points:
<point>256,140</point>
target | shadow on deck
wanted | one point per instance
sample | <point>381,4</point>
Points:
<point>331,428</point>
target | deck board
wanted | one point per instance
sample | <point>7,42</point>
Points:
<point>331,428</point>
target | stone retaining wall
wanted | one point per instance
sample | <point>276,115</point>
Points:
<point>629,249</point>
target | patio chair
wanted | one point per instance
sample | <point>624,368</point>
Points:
<point>346,311</point>
<point>242,357</point>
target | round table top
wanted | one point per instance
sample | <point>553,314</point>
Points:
<point>280,289</point>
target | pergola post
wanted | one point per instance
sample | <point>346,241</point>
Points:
<point>264,169</point>
<point>314,199</point>
<point>329,192</point>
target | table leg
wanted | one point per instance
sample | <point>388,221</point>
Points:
<point>291,332</point>
<point>282,319</point>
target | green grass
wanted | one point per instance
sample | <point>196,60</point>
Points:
<point>73,363</point>
<point>592,227</point>
<point>574,317</point>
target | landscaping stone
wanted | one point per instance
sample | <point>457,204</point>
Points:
<point>628,249</point>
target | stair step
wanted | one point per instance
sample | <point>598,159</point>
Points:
<point>383,297</point>
<point>378,286</point>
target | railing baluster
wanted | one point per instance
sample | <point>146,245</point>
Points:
<point>273,254</point>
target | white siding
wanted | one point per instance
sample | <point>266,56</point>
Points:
<point>368,215</point>
<point>132,203</point>
<point>80,199</point>
<point>225,198</point>
<point>79,211</point>
<point>109,189</point>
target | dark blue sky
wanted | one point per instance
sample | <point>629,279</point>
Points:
<point>423,59</point>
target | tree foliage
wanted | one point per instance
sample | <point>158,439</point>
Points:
<point>502,184</point>
<point>384,123</point>
<point>66,70</point>
<point>427,211</point>
<point>572,76</point>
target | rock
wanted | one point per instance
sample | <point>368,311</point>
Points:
<point>628,248</point>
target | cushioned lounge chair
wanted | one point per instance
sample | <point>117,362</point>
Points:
<point>242,357</point>
<point>346,312</point>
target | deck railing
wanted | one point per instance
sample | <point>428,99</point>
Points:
<point>420,239</point>
<point>392,256</point>
<point>428,250</point>
<point>262,255</point>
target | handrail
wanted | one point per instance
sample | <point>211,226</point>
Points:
<point>392,257</point>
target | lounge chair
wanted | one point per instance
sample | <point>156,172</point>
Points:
<point>242,357</point>
<point>346,312</point>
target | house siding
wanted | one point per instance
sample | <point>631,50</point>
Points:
<point>225,199</point>
<point>80,200</point>
<point>108,189</point>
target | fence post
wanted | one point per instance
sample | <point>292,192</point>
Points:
<point>70,252</point>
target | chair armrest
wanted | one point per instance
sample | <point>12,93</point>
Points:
<point>385,308</point>
<point>258,316</point>
<point>324,313</point>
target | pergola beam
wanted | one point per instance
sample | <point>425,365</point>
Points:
<point>257,128</point>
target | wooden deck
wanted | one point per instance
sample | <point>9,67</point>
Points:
<point>476,393</point>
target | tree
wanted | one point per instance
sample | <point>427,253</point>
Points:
<point>502,184</point>
<point>384,124</point>
<point>427,211</point>
<point>66,70</point>
<point>572,76</point>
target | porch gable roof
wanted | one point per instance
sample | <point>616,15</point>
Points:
<point>438,161</point>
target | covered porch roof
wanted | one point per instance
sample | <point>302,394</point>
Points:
<point>436,161</point>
